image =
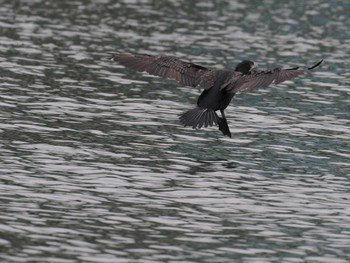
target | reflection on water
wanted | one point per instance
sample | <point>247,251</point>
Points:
<point>95,166</point>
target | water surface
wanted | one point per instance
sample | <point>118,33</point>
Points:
<point>95,166</point>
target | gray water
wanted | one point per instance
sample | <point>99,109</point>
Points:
<point>96,167</point>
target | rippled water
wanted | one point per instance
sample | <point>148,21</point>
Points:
<point>95,166</point>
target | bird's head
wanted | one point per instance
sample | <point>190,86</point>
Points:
<point>245,66</point>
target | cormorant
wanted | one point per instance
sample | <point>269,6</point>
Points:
<point>220,85</point>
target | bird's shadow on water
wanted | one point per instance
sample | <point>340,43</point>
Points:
<point>212,165</point>
<point>206,156</point>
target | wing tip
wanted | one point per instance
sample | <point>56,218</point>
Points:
<point>316,65</point>
<point>113,55</point>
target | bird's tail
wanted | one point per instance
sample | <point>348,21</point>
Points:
<point>200,117</point>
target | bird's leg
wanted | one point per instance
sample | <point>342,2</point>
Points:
<point>223,127</point>
<point>223,114</point>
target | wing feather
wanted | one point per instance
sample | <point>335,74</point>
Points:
<point>163,66</point>
<point>240,82</point>
<point>287,74</point>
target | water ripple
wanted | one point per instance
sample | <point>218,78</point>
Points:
<point>97,168</point>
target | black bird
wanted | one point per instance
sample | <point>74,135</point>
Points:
<point>220,85</point>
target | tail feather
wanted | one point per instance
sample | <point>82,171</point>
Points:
<point>199,117</point>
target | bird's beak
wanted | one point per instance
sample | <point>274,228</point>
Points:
<point>254,66</point>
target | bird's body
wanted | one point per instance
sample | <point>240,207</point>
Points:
<point>219,85</point>
<point>217,97</point>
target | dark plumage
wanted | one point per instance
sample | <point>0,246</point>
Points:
<point>219,85</point>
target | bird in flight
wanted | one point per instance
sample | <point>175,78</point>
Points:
<point>220,85</point>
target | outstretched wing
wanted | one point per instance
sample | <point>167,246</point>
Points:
<point>261,79</point>
<point>186,73</point>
